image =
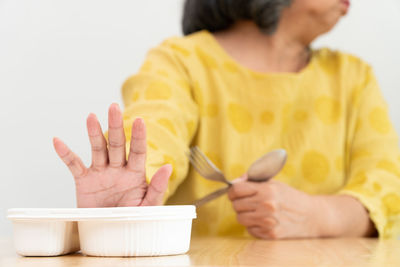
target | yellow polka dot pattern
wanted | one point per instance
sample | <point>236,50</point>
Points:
<point>358,180</point>
<point>237,170</point>
<point>300,115</point>
<point>339,163</point>
<point>392,203</point>
<point>158,90</point>
<point>168,125</point>
<point>358,126</point>
<point>378,118</point>
<point>184,84</point>
<point>338,134</point>
<point>163,73</point>
<point>315,167</point>
<point>389,166</point>
<point>377,187</point>
<point>327,109</point>
<point>208,60</point>
<point>206,110</point>
<point>152,145</point>
<point>240,118</point>
<point>289,170</point>
<point>146,66</point>
<point>215,158</point>
<point>135,96</point>
<point>362,153</point>
<point>230,67</point>
<point>356,95</point>
<point>267,117</point>
<point>190,127</point>
<point>183,51</point>
<point>211,110</point>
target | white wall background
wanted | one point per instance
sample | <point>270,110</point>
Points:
<point>61,60</point>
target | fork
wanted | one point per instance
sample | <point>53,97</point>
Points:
<point>263,169</point>
<point>205,167</point>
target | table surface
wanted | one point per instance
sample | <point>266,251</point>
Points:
<point>223,251</point>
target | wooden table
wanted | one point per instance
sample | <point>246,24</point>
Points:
<point>238,252</point>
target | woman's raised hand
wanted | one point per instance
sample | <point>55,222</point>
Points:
<point>111,181</point>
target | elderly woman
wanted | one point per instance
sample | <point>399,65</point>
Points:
<point>244,81</point>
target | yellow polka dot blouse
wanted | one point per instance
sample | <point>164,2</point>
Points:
<point>330,117</point>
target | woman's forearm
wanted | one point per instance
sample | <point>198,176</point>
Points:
<point>343,216</point>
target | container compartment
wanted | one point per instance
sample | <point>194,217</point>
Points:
<point>45,238</point>
<point>137,238</point>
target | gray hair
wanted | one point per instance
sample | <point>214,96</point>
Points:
<point>217,15</point>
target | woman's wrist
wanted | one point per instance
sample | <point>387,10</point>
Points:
<point>328,219</point>
<point>340,216</point>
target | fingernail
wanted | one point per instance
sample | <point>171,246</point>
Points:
<point>115,105</point>
<point>92,115</point>
<point>169,166</point>
<point>139,123</point>
<point>170,169</point>
<point>237,180</point>
<point>240,179</point>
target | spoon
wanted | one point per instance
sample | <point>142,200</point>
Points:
<point>267,166</point>
<point>262,170</point>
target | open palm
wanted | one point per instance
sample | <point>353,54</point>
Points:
<point>111,181</point>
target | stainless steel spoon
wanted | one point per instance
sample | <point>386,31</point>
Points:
<point>267,166</point>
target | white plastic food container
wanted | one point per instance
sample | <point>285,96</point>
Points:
<point>44,232</point>
<point>136,231</point>
<point>131,231</point>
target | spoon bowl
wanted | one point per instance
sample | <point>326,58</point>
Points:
<point>267,166</point>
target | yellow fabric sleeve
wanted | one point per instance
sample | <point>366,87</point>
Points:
<point>373,160</point>
<point>160,93</point>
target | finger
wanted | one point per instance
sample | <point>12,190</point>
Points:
<point>73,162</point>
<point>240,179</point>
<point>157,187</point>
<point>244,204</point>
<point>256,232</point>
<point>116,137</point>
<point>240,190</point>
<point>97,141</point>
<point>262,233</point>
<point>248,219</point>
<point>137,152</point>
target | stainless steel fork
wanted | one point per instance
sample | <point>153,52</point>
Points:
<point>263,169</point>
<point>205,167</point>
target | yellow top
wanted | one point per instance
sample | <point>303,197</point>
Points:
<point>330,117</point>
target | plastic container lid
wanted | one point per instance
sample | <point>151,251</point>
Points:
<point>119,213</point>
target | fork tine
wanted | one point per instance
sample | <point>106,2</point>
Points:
<point>205,167</point>
<point>201,163</point>
<point>196,166</point>
<point>198,158</point>
<point>209,162</point>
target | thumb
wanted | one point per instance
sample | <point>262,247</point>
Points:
<point>242,178</point>
<point>157,187</point>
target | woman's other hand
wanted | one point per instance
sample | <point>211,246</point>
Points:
<point>111,181</point>
<point>274,210</point>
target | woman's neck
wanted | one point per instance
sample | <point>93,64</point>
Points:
<point>279,52</point>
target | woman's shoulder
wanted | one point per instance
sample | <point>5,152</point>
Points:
<point>185,45</point>
<point>336,61</point>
